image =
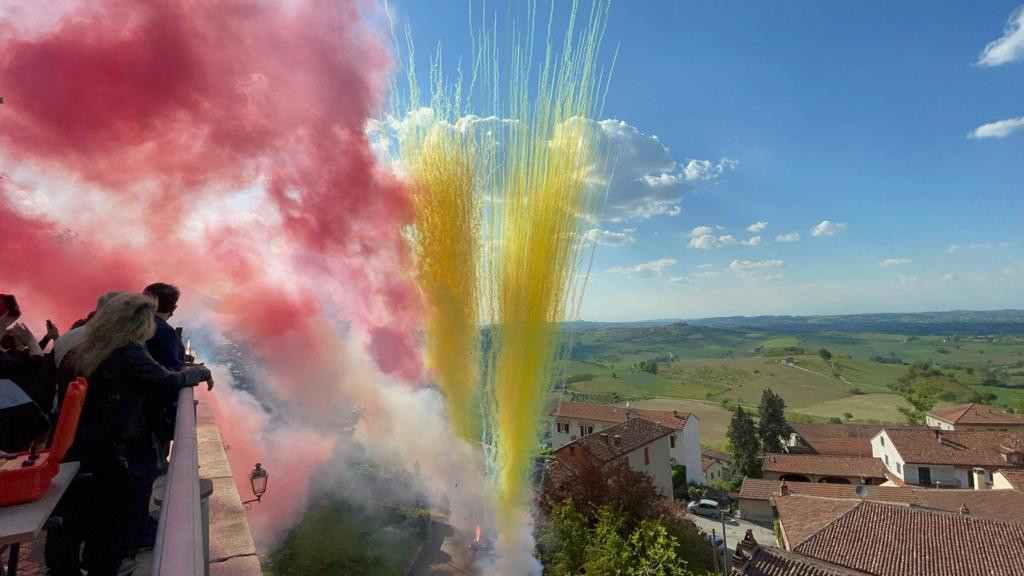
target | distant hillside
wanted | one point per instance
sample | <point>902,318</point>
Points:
<point>957,322</point>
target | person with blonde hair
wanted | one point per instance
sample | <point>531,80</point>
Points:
<point>114,442</point>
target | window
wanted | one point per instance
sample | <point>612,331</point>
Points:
<point>899,468</point>
<point>672,441</point>
<point>562,427</point>
<point>924,476</point>
<point>886,459</point>
<point>590,429</point>
<point>572,450</point>
<point>647,456</point>
<point>970,479</point>
<point>882,440</point>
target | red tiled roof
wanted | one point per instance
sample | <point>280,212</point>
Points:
<point>1001,505</point>
<point>801,516</point>
<point>957,448</point>
<point>837,439</point>
<point>633,434</point>
<point>824,465</point>
<point>608,413</point>
<point>887,540</point>
<point>716,455</point>
<point>767,561</point>
<point>1015,477</point>
<point>758,489</point>
<point>974,413</point>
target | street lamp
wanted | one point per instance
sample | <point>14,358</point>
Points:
<point>258,480</point>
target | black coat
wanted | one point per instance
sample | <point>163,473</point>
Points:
<point>113,426</point>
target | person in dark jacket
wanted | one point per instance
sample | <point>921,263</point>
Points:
<point>114,443</point>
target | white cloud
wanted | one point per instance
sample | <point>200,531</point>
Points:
<point>702,238</point>
<point>610,238</point>
<point>679,280</point>
<point>949,276</point>
<point>828,228</point>
<point>643,180</point>
<point>702,242</point>
<point>953,248</point>
<point>895,262</point>
<point>706,271</point>
<point>791,237</point>
<point>1000,129</point>
<point>646,269</point>
<point>1010,47</point>
<point>757,226</point>
<point>706,169</point>
<point>755,267</point>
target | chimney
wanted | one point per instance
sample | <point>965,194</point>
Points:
<point>965,510</point>
<point>604,437</point>
<point>784,490</point>
<point>938,435</point>
<point>675,413</point>
<point>617,439</point>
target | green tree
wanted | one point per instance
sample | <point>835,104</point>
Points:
<point>652,552</point>
<point>772,426</point>
<point>563,541</point>
<point>607,554</point>
<point>825,354</point>
<point>746,448</point>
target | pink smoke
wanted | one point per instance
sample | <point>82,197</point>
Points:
<point>156,109</point>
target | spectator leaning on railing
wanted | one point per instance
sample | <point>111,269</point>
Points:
<point>114,442</point>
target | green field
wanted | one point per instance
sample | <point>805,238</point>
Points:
<point>713,369</point>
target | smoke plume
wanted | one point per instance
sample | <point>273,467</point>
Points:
<point>221,146</point>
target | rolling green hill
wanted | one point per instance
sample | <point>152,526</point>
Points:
<point>712,368</point>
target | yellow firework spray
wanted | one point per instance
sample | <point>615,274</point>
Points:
<point>537,168</point>
<point>544,187</point>
<point>440,159</point>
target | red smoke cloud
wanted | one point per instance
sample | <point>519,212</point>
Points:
<point>157,108</point>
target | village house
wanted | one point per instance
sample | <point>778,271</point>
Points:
<point>642,444</point>
<point>934,457</point>
<point>973,416</point>
<point>826,469</point>
<point>831,439</point>
<point>895,540</point>
<point>574,420</point>
<point>755,499</point>
<point>1011,479</point>
<point>715,465</point>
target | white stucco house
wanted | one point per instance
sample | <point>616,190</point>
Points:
<point>642,444</point>
<point>571,421</point>
<point>947,458</point>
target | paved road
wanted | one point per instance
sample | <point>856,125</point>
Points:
<point>735,530</point>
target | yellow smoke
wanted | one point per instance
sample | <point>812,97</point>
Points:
<point>445,242</point>
<point>538,169</point>
<point>545,190</point>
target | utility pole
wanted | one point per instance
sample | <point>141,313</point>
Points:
<point>725,547</point>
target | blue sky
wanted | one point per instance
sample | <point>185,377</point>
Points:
<point>792,114</point>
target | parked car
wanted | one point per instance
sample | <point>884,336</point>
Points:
<point>705,507</point>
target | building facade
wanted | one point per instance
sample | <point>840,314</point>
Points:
<point>574,420</point>
<point>642,444</point>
